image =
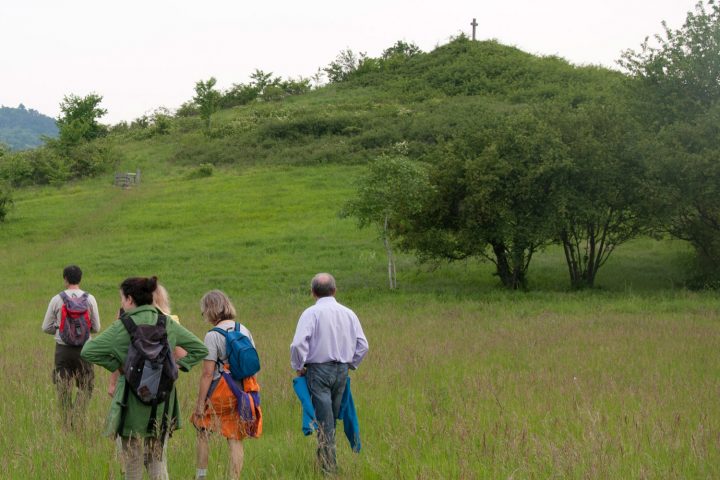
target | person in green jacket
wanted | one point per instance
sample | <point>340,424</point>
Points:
<point>109,350</point>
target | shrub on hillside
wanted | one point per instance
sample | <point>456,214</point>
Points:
<point>161,121</point>
<point>239,94</point>
<point>40,166</point>
<point>119,128</point>
<point>202,171</point>
<point>201,149</point>
<point>316,125</point>
<point>220,131</point>
<point>6,201</point>
<point>90,159</point>
<point>187,124</point>
<point>188,109</point>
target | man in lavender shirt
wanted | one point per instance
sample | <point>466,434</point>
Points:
<point>328,341</point>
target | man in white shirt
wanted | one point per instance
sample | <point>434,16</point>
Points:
<point>328,341</point>
<point>69,367</point>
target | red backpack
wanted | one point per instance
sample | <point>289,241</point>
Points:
<point>74,320</point>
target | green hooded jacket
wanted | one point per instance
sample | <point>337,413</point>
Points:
<point>109,350</point>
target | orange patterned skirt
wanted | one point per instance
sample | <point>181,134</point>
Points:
<point>221,413</point>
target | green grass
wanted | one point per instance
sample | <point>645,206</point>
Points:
<point>463,379</point>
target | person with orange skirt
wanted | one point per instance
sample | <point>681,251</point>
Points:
<point>217,405</point>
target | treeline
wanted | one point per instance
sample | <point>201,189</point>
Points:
<point>584,168</point>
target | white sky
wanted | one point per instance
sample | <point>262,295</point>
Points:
<point>140,55</point>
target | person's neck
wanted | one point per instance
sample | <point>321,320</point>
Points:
<point>72,287</point>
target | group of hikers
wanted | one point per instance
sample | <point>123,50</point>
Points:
<point>146,346</point>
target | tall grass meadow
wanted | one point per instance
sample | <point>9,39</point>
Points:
<point>463,380</point>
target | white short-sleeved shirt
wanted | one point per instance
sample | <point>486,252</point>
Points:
<point>216,344</point>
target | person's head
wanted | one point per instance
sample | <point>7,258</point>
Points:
<point>323,285</point>
<point>161,299</point>
<point>216,307</point>
<point>137,291</point>
<point>72,275</point>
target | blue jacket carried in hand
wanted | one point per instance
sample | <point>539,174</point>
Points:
<point>347,412</point>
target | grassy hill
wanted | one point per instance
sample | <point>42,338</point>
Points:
<point>463,378</point>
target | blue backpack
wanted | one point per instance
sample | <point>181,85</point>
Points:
<point>242,356</point>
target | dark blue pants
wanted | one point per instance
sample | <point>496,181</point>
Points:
<point>326,383</point>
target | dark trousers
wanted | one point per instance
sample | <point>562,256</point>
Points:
<point>71,370</point>
<point>326,383</point>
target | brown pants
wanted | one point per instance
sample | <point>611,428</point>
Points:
<point>71,370</point>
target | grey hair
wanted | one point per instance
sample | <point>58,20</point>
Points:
<point>323,285</point>
<point>216,307</point>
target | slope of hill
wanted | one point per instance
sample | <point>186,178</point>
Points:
<point>22,128</point>
<point>412,105</point>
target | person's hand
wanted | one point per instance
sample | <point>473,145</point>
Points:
<point>111,389</point>
<point>301,372</point>
<point>199,410</point>
<point>179,353</point>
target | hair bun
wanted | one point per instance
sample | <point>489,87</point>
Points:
<point>151,283</point>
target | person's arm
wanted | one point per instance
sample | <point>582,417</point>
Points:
<point>94,315</point>
<point>103,349</point>
<point>112,384</point>
<point>208,370</point>
<point>49,324</point>
<point>195,348</point>
<point>300,345</point>
<point>361,346</point>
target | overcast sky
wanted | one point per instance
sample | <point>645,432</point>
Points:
<point>140,55</point>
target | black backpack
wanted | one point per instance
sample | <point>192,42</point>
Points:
<point>149,369</point>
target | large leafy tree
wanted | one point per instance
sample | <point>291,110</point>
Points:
<point>495,194</point>
<point>681,66</point>
<point>79,119</point>
<point>678,75</point>
<point>607,195</point>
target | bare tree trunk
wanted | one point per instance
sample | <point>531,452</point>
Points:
<point>571,259</point>
<point>392,279</point>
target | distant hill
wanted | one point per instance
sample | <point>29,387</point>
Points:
<point>22,128</point>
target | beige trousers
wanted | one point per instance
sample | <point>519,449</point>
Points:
<point>148,452</point>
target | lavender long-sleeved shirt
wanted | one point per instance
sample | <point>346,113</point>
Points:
<point>328,332</point>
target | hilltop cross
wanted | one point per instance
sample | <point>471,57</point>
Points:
<point>474,24</point>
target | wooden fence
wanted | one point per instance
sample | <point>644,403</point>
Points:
<point>127,180</point>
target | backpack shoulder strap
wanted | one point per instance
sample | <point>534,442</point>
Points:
<point>161,320</point>
<point>130,325</point>
<point>63,296</point>
<point>224,333</point>
<point>219,330</point>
